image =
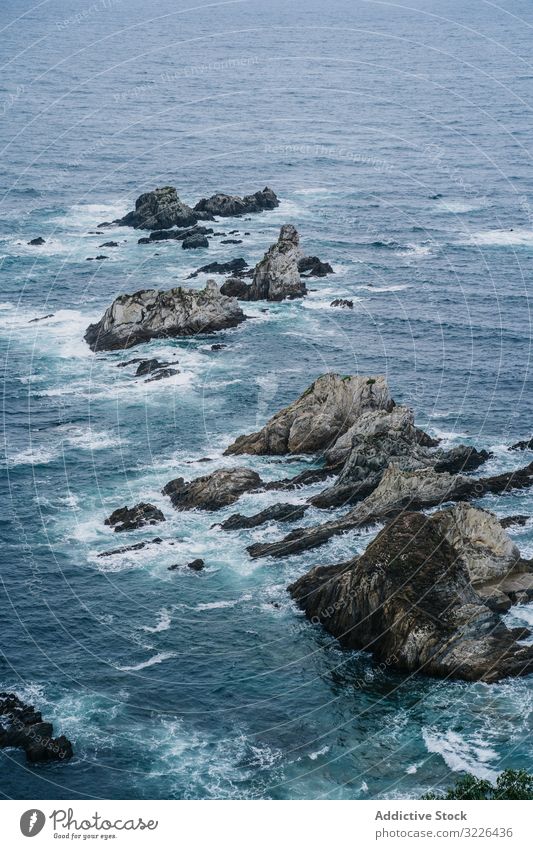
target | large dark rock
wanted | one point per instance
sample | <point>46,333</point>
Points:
<point>277,277</point>
<point>225,206</point>
<point>211,492</point>
<point>197,240</point>
<point>22,727</point>
<point>152,314</point>
<point>235,287</point>
<point>234,267</point>
<point>409,600</point>
<point>524,445</point>
<point>312,266</point>
<point>131,518</point>
<point>160,209</point>
<point>37,242</point>
<point>316,420</point>
<point>276,513</point>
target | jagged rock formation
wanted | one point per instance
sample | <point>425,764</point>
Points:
<point>276,513</point>
<point>524,445</point>
<point>315,421</point>
<point>409,600</point>
<point>174,235</point>
<point>235,267</point>
<point>22,727</point>
<point>159,210</point>
<point>398,491</point>
<point>211,492</point>
<point>277,277</point>
<point>152,314</point>
<point>131,518</point>
<point>226,206</point>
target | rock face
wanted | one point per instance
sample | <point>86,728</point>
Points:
<point>312,266</point>
<point>159,210</point>
<point>22,727</point>
<point>409,600</point>
<point>131,518</point>
<point>152,314</point>
<point>211,492</point>
<point>277,277</point>
<point>399,490</point>
<point>225,206</point>
<point>276,513</point>
<point>316,420</point>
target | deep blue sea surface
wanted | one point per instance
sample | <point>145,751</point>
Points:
<point>399,140</point>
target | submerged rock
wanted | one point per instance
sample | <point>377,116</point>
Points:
<point>196,565</point>
<point>316,420</point>
<point>277,277</point>
<point>162,374</point>
<point>399,490</point>
<point>234,267</point>
<point>276,513</point>
<point>131,518</point>
<point>22,727</point>
<point>41,318</point>
<point>195,241</point>
<point>211,492</point>
<point>225,206</point>
<point>343,303</point>
<point>312,266</point>
<point>137,546</point>
<point>409,600</point>
<point>159,209</point>
<point>524,445</point>
<point>152,314</point>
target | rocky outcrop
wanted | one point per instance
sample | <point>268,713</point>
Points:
<point>276,513</point>
<point>277,277</point>
<point>197,240</point>
<point>131,518</point>
<point>226,206</point>
<point>524,445</point>
<point>211,492</point>
<point>408,599</point>
<point>22,727</point>
<point>315,421</point>
<point>195,565</point>
<point>342,303</point>
<point>175,235</point>
<point>235,267</point>
<point>399,490</point>
<point>37,242</point>
<point>312,266</point>
<point>160,209</point>
<point>235,287</point>
<point>152,314</point>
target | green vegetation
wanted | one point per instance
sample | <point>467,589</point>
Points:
<point>510,784</point>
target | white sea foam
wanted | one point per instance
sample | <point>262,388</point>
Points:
<point>502,238</point>
<point>163,622</point>
<point>460,206</point>
<point>152,661</point>
<point>323,751</point>
<point>462,755</point>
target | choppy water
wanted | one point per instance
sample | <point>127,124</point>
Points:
<point>399,139</point>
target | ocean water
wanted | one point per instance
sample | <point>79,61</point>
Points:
<point>399,140</point>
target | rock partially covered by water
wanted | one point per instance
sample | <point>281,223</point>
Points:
<point>196,240</point>
<point>276,513</point>
<point>316,420</point>
<point>225,206</point>
<point>211,492</point>
<point>312,266</point>
<point>277,277</point>
<point>37,242</point>
<point>409,600</point>
<point>153,314</point>
<point>235,267</point>
<point>131,518</point>
<point>159,210</point>
<point>524,445</point>
<point>235,287</point>
<point>398,490</point>
<point>22,727</point>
